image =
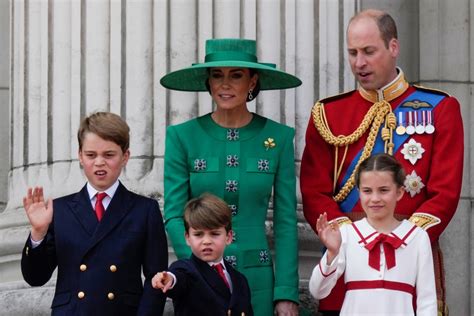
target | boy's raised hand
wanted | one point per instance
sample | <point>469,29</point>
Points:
<point>40,214</point>
<point>162,280</point>
<point>329,235</point>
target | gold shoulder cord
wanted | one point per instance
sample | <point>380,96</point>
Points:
<point>375,117</point>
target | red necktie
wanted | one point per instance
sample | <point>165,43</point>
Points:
<point>220,270</point>
<point>389,245</point>
<point>99,207</point>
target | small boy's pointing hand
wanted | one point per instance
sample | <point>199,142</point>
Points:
<point>163,281</point>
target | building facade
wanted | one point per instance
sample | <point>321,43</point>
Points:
<point>61,60</point>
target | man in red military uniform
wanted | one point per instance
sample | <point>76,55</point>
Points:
<point>421,127</point>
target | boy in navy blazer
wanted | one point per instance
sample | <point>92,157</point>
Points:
<point>205,284</point>
<point>99,238</point>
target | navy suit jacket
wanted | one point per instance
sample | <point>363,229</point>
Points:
<point>101,261</point>
<point>199,290</point>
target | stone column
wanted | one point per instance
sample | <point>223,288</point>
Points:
<point>446,55</point>
<point>70,58</point>
<point>4,101</point>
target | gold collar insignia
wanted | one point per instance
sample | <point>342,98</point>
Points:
<point>391,91</point>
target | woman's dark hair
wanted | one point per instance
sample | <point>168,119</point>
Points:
<point>382,162</point>
<point>255,90</point>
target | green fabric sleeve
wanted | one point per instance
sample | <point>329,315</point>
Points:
<point>285,225</point>
<point>176,184</point>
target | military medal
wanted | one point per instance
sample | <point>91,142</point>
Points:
<point>420,128</point>
<point>413,184</point>
<point>412,151</point>
<point>429,129</point>
<point>400,130</point>
<point>410,128</point>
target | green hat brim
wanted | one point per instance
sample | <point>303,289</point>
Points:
<point>194,78</point>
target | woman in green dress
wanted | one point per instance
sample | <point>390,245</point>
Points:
<point>241,157</point>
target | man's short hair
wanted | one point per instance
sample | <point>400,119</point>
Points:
<point>385,23</point>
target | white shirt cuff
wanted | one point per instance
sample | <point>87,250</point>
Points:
<point>35,243</point>
<point>174,279</point>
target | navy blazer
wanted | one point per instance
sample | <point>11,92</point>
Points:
<point>100,263</point>
<point>199,290</point>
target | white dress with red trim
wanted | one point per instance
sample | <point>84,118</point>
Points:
<point>381,272</point>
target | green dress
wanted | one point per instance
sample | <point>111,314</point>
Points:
<point>242,166</point>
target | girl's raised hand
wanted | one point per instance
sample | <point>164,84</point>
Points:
<point>329,234</point>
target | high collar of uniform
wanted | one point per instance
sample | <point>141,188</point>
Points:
<point>389,92</point>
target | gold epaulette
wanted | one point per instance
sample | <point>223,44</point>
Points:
<point>341,221</point>
<point>335,97</point>
<point>424,220</point>
<point>431,90</point>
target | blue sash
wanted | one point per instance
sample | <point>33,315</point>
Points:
<point>433,99</point>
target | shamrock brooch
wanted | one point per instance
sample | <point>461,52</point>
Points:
<point>269,143</point>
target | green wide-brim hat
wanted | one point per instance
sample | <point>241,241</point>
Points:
<point>229,52</point>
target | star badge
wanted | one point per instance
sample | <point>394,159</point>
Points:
<point>412,151</point>
<point>413,184</point>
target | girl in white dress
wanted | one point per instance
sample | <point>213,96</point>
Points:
<point>385,262</point>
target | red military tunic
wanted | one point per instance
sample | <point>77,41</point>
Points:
<point>439,169</point>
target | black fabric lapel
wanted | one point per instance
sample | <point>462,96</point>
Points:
<point>212,278</point>
<point>119,206</point>
<point>236,284</point>
<point>82,209</point>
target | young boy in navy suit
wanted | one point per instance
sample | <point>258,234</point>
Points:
<point>205,284</point>
<point>99,238</point>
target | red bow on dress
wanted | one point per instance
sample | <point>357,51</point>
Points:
<point>389,243</point>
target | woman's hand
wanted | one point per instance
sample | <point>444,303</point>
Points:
<point>286,308</point>
<point>40,214</point>
<point>330,236</point>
